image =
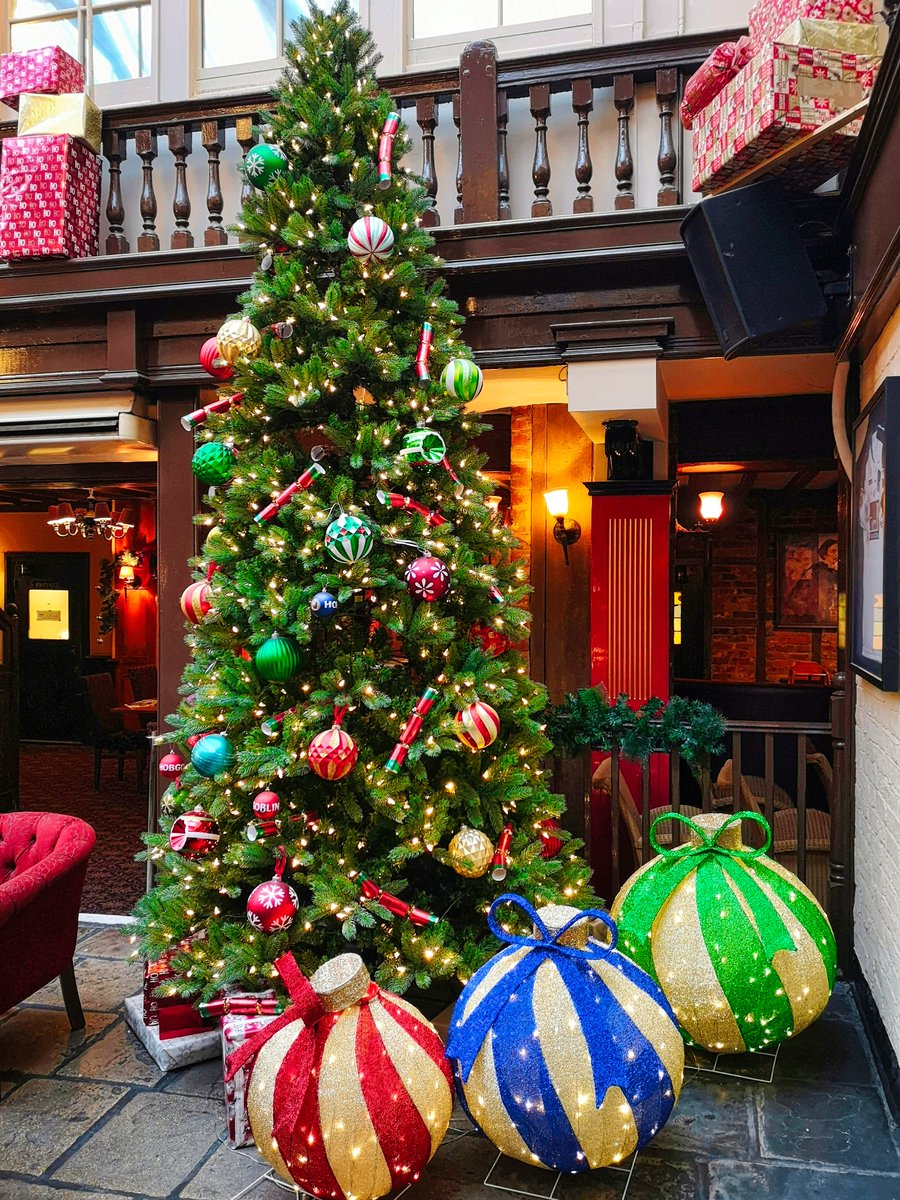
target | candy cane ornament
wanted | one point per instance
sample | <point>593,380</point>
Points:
<point>411,729</point>
<point>386,149</point>
<point>309,476</point>
<point>416,916</point>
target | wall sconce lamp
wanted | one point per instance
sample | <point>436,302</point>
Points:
<point>711,506</point>
<point>127,561</point>
<point>566,532</point>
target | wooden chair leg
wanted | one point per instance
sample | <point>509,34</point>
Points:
<point>97,758</point>
<point>71,998</point>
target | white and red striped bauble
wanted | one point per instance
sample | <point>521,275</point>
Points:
<point>272,906</point>
<point>370,240</point>
<point>477,725</point>
<point>266,804</point>
<point>195,602</point>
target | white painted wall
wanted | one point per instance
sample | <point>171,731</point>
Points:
<point>877,840</point>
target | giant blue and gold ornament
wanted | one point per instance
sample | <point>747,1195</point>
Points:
<point>742,950</point>
<point>566,1055</point>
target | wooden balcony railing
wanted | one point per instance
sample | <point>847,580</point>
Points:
<point>593,131</point>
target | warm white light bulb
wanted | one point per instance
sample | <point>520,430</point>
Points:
<point>557,502</point>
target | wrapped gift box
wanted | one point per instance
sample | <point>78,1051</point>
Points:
<point>769,18</point>
<point>709,79</point>
<point>49,198</point>
<point>75,114</point>
<point>832,35</point>
<point>785,92</point>
<point>179,1018</point>
<point>235,1031</point>
<point>48,69</point>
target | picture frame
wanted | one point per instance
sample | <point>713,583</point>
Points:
<point>806,581</point>
<point>875,527</point>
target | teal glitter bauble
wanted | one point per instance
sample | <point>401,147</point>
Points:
<point>212,755</point>
<point>213,463</point>
<point>278,659</point>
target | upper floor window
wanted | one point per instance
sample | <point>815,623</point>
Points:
<point>111,37</point>
<point>436,18</point>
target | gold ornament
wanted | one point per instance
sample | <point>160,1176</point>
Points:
<point>238,338</point>
<point>471,852</point>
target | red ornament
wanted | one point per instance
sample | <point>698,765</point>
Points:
<point>492,641</point>
<point>477,725</point>
<point>272,906</point>
<point>266,804</point>
<point>332,754</point>
<point>550,845</point>
<point>194,833</point>
<point>172,764</point>
<point>195,602</point>
<point>194,739</point>
<point>212,361</point>
<point>427,578</point>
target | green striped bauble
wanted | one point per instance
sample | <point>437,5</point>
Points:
<point>278,659</point>
<point>462,379</point>
<point>348,539</point>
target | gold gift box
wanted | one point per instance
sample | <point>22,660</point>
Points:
<point>831,35</point>
<point>74,113</point>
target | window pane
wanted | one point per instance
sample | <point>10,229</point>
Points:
<point>29,35</point>
<point>519,12</point>
<point>437,18</point>
<point>238,31</point>
<point>37,8</point>
<point>122,44</point>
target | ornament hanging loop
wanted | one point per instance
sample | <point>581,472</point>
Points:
<point>280,862</point>
<point>553,941</point>
<point>709,843</point>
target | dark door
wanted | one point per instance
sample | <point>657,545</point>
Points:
<point>9,712</point>
<point>691,654</point>
<point>50,592</point>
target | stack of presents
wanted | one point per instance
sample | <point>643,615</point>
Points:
<point>50,172</point>
<point>803,63</point>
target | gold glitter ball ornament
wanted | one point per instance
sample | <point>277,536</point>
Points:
<point>470,852</point>
<point>238,338</point>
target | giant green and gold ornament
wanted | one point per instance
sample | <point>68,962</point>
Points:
<point>742,950</point>
<point>278,659</point>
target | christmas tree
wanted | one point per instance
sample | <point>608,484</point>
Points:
<point>360,721</point>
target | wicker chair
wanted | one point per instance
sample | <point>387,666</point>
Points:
<point>665,831</point>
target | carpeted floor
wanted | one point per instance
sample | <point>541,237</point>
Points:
<point>61,779</point>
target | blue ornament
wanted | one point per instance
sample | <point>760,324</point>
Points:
<point>212,755</point>
<point>566,1055</point>
<point>323,604</point>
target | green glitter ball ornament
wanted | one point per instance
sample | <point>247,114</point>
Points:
<point>213,463</point>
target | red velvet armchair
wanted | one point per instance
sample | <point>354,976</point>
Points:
<point>43,861</point>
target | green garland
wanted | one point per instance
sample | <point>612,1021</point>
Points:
<point>588,720</point>
<point>108,614</point>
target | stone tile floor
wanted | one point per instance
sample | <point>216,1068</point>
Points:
<point>88,1116</point>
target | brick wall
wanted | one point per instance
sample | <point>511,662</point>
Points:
<point>877,807</point>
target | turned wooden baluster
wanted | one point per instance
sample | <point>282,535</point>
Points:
<point>145,147</point>
<point>667,158</point>
<point>245,139</point>
<point>623,98</point>
<point>459,215</point>
<point>427,119</point>
<point>502,156</point>
<point>115,149</point>
<point>539,101</point>
<point>181,144</point>
<point>212,136</point>
<point>583,103</point>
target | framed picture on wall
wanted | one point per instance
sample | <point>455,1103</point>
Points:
<point>875,521</point>
<point>806,593</point>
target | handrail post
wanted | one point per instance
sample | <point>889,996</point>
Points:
<point>478,132</point>
<point>840,868</point>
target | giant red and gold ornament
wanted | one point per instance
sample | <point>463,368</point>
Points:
<point>370,240</point>
<point>427,578</point>
<point>742,950</point>
<point>350,1094</point>
<point>195,602</point>
<point>238,338</point>
<point>477,725</point>
<point>194,833</point>
<point>272,906</point>
<point>470,852</point>
<point>332,754</point>
<point>213,363</point>
<point>566,1054</point>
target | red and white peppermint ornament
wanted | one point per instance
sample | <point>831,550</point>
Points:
<point>370,240</point>
<point>194,833</point>
<point>427,578</point>
<point>172,763</point>
<point>477,725</point>
<point>266,804</point>
<point>195,602</point>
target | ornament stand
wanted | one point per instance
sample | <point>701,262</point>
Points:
<point>551,1195</point>
<point>766,1058</point>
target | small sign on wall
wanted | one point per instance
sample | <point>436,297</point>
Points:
<point>48,615</point>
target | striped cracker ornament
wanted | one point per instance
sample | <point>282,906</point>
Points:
<point>195,602</point>
<point>370,240</point>
<point>742,950</point>
<point>350,1093</point>
<point>462,379</point>
<point>348,539</point>
<point>566,1055</point>
<point>477,725</point>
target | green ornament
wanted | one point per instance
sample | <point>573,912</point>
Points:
<point>264,163</point>
<point>742,950</point>
<point>278,659</point>
<point>462,379</point>
<point>423,447</point>
<point>348,538</point>
<point>213,463</point>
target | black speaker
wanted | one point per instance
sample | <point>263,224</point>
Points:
<point>752,266</point>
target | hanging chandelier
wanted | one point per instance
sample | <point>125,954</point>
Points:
<point>94,519</point>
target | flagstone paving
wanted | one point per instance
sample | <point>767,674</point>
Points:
<point>88,1116</point>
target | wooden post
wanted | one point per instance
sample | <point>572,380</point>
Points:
<point>213,138</point>
<point>181,143</point>
<point>145,145</point>
<point>582,103</point>
<point>539,100</point>
<point>115,148</point>
<point>840,867</point>
<point>427,119</point>
<point>478,132</point>
<point>623,98</point>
